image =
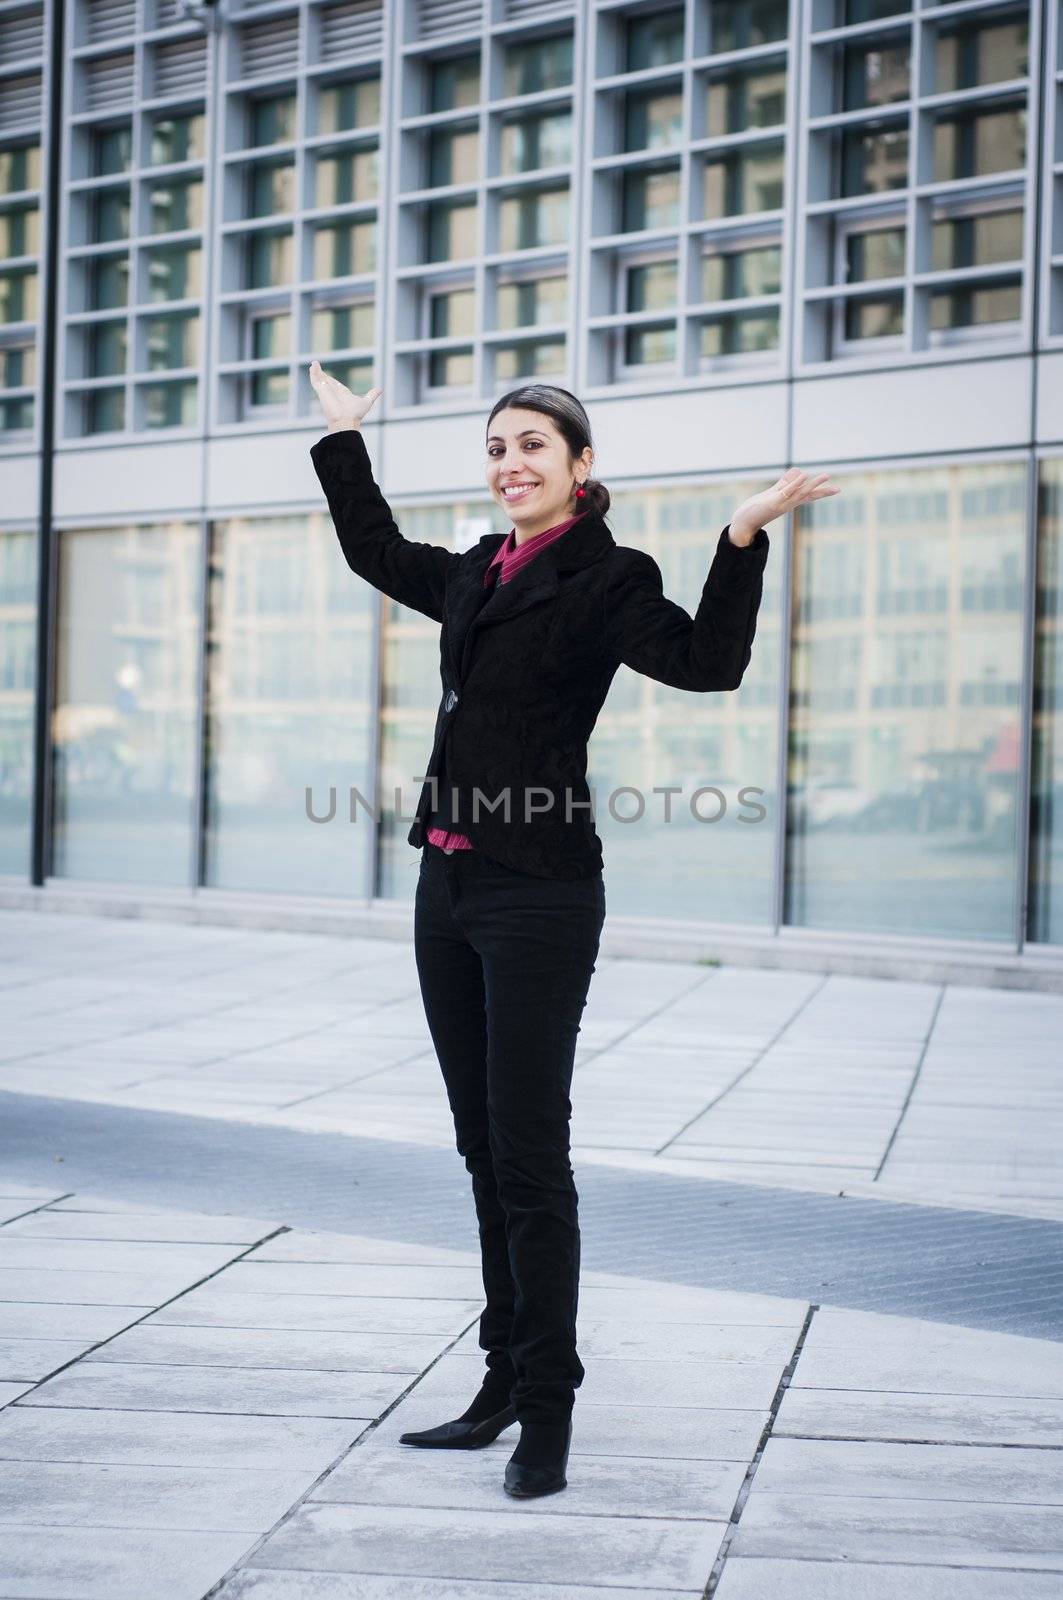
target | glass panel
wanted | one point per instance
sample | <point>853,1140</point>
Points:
<point>735,24</point>
<point>645,346</point>
<point>106,350</point>
<point>905,703</point>
<point>877,317</point>
<point>975,306</point>
<point>453,156</point>
<point>451,314</point>
<point>346,176</point>
<point>270,188</point>
<point>124,728</point>
<point>975,142</point>
<point>105,411</point>
<point>18,674</point>
<point>652,286</point>
<point>110,215</point>
<point>20,168</point>
<point>870,10</point>
<point>108,283</point>
<point>16,414</point>
<point>745,180</point>
<point>175,204</point>
<point>18,296</point>
<point>1046,797</point>
<point>653,119</point>
<point>740,333</point>
<point>530,302</point>
<point>178,138</point>
<point>291,707</point>
<point>539,64</point>
<point>649,200</point>
<point>345,106</point>
<point>532,358</point>
<point>978,50</point>
<point>342,249</point>
<point>707,855</point>
<point>533,218</point>
<point>271,120</point>
<point>733,274</point>
<point>170,405</point>
<point>736,100</point>
<point>449,369</point>
<point>653,41</point>
<point>172,342</point>
<point>269,260</point>
<point>270,388</point>
<point>18,366</point>
<point>174,272</point>
<point>872,160</point>
<point>451,231</point>
<point>342,327</point>
<point>872,72</point>
<point>111,150</point>
<point>528,143</point>
<point>976,241</point>
<point>271,336</point>
<point>454,83</point>
<point>874,253</point>
<point>20,232</point>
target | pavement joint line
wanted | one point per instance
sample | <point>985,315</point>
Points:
<point>42,1205</point>
<point>745,1488</point>
<point>942,990</point>
<point>737,1079</point>
<point>334,1088</point>
<point>148,1311</point>
<point>892,1438</point>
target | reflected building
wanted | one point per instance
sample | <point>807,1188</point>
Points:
<point>749,234</point>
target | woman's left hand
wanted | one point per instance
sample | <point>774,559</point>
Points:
<point>792,489</point>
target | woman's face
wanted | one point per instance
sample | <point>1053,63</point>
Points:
<point>526,448</point>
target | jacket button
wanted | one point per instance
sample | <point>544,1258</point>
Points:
<point>451,701</point>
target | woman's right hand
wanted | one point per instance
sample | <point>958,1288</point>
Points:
<point>342,408</point>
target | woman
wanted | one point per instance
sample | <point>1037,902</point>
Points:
<point>510,900</point>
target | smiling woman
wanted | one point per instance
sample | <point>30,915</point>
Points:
<point>539,458</point>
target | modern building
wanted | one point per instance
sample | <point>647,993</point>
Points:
<point>748,234</point>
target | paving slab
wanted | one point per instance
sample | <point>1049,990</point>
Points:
<point>199,1499</point>
<point>129,1564</point>
<point>754,1577</point>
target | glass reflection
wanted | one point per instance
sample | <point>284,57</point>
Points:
<point>706,862</point>
<point>1046,797</point>
<point>123,729</point>
<point>290,703</point>
<point>906,671</point>
<point>18,631</point>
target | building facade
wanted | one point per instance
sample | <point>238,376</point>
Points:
<point>748,235</point>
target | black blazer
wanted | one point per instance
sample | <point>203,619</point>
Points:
<point>525,674</point>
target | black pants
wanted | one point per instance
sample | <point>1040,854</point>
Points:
<point>505,961</point>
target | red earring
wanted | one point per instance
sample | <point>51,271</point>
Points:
<point>580,492</point>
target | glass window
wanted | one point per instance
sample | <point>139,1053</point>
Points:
<point>104,411</point>
<point>649,346</point>
<point>736,24</point>
<point>739,333</point>
<point>18,675</point>
<point>270,188</point>
<point>653,118</point>
<point>172,341</point>
<point>874,253</point>
<point>905,703</point>
<point>533,217</point>
<point>734,274</point>
<point>111,150</point>
<point>530,358</point>
<point>124,727</point>
<point>453,156</point>
<point>271,120</point>
<point>651,286</point>
<point>743,181</point>
<point>531,142</point>
<point>976,305</point>
<point>871,159</point>
<point>291,709</point>
<point>174,272</point>
<point>342,107</point>
<point>1046,797</point>
<point>451,313</point>
<point>20,169</point>
<point>270,388</point>
<point>110,215</point>
<point>16,414</point>
<point>652,41</point>
<point>344,326</point>
<point>649,199</point>
<point>179,137</point>
<point>738,100</point>
<point>451,230</point>
<point>971,51</point>
<point>705,851</point>
<point>342,249</point>
<point>106,349</point>
<point>269,260</point>
<point>18,366</point>
<point>872,72</point>
<point>975,141</point>
<point>170,405</point>
<point>874,316</point>
<point>175,204</point>
<point>529,301</point>
<point>979,239</point>
<point>20,231</point>
<point>449,369</point>
<point>537,64</point>
<point>345,176</point>
<point>18,295</point>
<point>270,335</point>
<point>454,82</point>
<point>108,283</point>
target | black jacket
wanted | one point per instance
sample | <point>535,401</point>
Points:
<point>525,673</point>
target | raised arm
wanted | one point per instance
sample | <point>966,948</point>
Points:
<point>655,636</point>
<point>412,573</point>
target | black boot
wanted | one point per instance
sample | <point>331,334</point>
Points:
<point>481,1424</point>
<point>537,1465</point>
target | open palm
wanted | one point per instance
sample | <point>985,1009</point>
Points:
<point>793,489</point>
<point>342,407</point>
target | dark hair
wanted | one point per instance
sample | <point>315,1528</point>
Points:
<point>566,411</point>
